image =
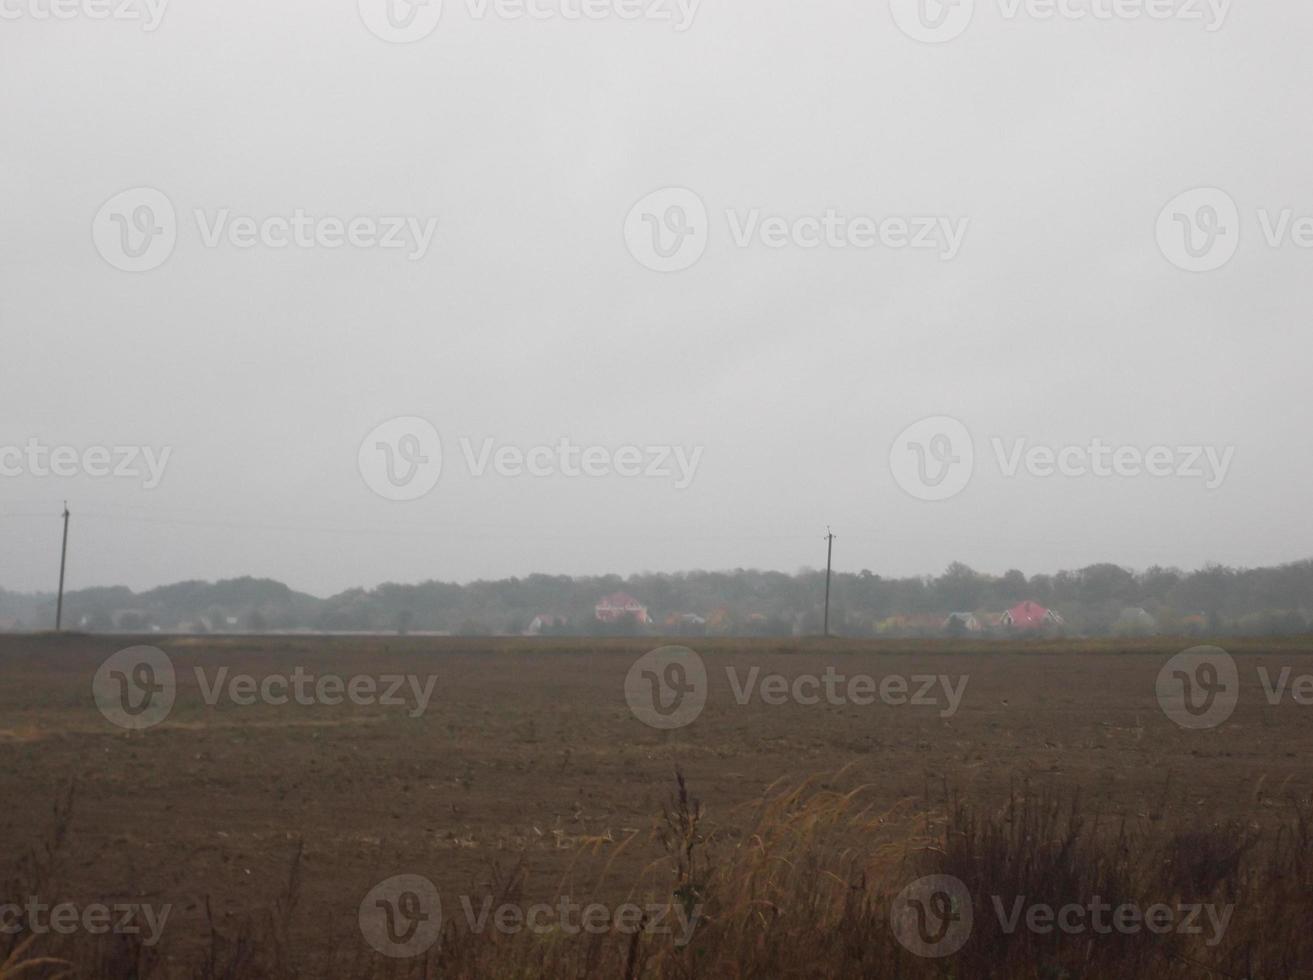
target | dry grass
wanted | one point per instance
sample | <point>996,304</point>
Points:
<point>807,891</point>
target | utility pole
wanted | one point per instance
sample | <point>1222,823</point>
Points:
<point>63,560</point>
<point>829,554</point>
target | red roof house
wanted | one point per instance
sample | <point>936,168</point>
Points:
<point>1030,616</point>
<point>544,622</point>
<point>615,607</point>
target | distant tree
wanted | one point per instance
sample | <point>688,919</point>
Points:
<point>1107,583</point>
<point>1091,599</point>
<point>1013,587</point>
<point>472,627</point>
<point>1158,583</point>
<point>959,588</point>
<point>133,622</point>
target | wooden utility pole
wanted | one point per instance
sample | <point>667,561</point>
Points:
<point>829,555</point>
<point>63,560</point>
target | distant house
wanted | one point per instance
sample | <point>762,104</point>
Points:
<point>546,623</point>
<point>677,620</point>
<point>916,624</point>
<point>1137,621</point>
<point>8,624</point>
<point>618,605</point>
<point>1030,616</point>
<point>721,620</point>
<point>963,622</point>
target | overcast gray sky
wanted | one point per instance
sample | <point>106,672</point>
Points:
<point>539,173</point>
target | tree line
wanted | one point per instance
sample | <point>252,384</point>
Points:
<point>1091,600</point>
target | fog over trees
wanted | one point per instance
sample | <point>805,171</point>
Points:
<point>1098,599</point>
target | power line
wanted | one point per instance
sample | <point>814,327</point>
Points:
<point>407,530</point>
